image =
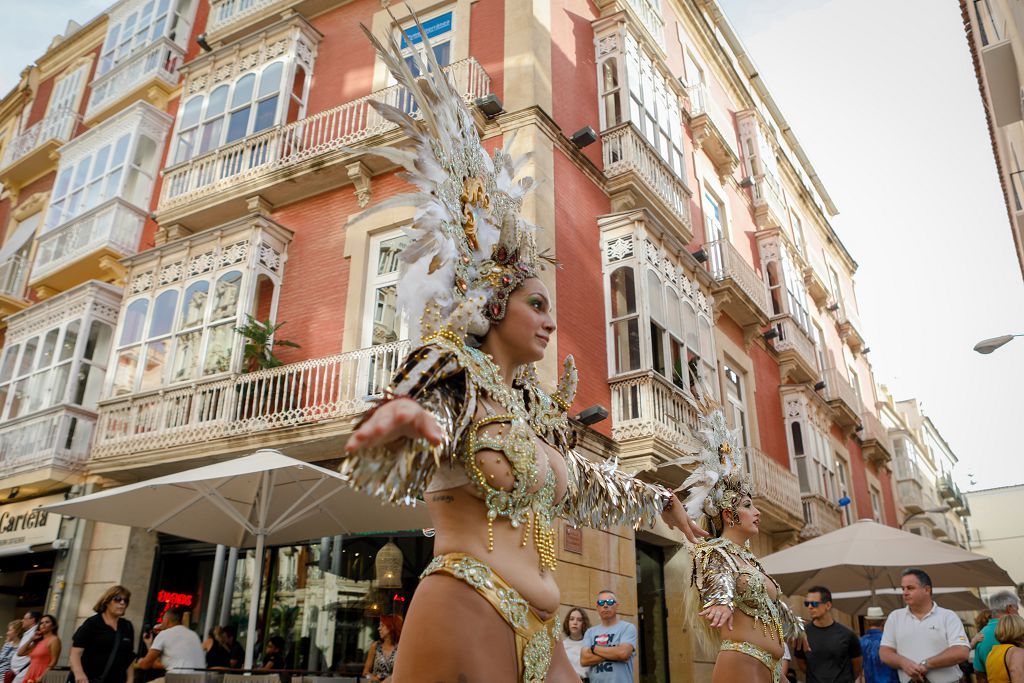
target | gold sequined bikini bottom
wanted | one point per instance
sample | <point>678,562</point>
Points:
<point>760,654</point>
<point>535,638</point>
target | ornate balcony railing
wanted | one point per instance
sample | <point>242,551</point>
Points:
<point>769,209</point>
<point>875,431</point>
<point>648,405</point>
<point>14,277</point>
<point>58,438</point>
<point>283,146</point>
<point>225,13</point>
<point>160,60</point>
<point>820,516</point>
<point>626,151</point>
<point>114,225</point>
<point>774,482</point>
<point>837,388</point>
<point>57,126</point>
<point>910,496</point>
<point>793,338</point>
<point>301,393</point>
<point>725,262</point>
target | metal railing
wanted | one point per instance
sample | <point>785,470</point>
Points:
<point>766,196</point>
<point>284,146</point>
<point>58,437</point>
<point>648,405</point>
<point>724,261</point>
<point>837,388</point>
<point>224,13</point>
<point>793,338</point>
<point>296,394</point>
<point>625,150</point>
<point>909,492</point>
<point>820,516</point>
<point>57,125</point>
<point>14,276</point>
<point>774,482</point>
<point>159,60</point>
<point>114,224</point>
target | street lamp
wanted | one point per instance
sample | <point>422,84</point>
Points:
<point>987,346</point>
<point>944,508</point>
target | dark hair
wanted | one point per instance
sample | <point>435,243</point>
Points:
<point>36,616</point>
<point>174,613</point>
<point>826,594</point>
<point>921,575</point>
<point>229,630</point>
<point>52,619</point>
<point>278,642</point>
<point>565,622</point>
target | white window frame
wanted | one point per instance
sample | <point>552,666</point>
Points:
<point>735,392</point>
<point>876,503</point>
<point>376,281</point>
<point>147,21</point>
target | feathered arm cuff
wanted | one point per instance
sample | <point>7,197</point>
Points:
<point>600,495</point>
<point>399,472</point>
<point>714,575</point>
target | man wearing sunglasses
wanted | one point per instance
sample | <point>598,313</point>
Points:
<point>608,647</point>
<point>835,654</point>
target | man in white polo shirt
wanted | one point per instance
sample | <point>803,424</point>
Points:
<point>923,641</point>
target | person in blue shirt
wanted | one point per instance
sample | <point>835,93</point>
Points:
<point>875,671</point>
<point>608,647</point>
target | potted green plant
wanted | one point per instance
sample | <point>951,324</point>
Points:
<point>267,394</point>
<point>260,344</point>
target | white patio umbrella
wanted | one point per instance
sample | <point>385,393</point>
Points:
<point>868,555</point>
<point>857,602</point>
<point>263,498</point>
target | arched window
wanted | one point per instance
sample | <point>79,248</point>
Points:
<point>625,325</point>
<point>241,108</point>
<point>610,93</point>
<point>656,297</point>
<point>223,317</point>
<point>187,128</point>
<point>213,120</point>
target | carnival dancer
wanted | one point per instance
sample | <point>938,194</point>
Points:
<point>465,424</point>
<point>741,607</point>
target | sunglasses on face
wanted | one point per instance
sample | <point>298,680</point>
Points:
<point>606,603</point>
<point>119,599</point>
<point>813,603</point>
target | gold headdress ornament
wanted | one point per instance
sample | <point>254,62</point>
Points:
<point>467,238</point>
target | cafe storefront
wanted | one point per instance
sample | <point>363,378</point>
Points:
<point>30,544</point>
<point>323,597</point>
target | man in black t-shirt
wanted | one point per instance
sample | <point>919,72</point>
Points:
<point>835,655</point>
<point>226,653</point>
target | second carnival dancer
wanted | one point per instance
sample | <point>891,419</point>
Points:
<point>465,424</point>
<point>740,607</point>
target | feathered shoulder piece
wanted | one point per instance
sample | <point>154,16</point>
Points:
<point>718,480</point>
<point>467,238</point>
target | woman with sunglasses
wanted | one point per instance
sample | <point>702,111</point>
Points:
<point>102,649</point>
<point>740,607</point>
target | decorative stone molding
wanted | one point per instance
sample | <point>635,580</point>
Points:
<point>31,206</point>
<point>360,176</point>
<point>104,301</point>
<point>169,233</point>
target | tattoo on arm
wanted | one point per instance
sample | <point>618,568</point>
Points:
<point>443,499</point>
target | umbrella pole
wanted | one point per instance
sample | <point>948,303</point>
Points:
<point>254,602</point>
<point>215,585</point>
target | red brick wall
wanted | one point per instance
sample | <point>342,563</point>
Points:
<point>574,70</point>
<point>580,288</point>
<point>771,423</point>
<point>487,41</point>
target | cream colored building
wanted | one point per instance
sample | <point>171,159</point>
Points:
<point>995,33</point>
<point>996,527</point>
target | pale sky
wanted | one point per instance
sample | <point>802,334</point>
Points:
<point>882,96</point>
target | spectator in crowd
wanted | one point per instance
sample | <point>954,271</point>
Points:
<point>226,653</point>
<point>1001,604</point>
<point>9,649</point>
<point>380,660</point>
<point>1006,660</point>
<point>19,664</point>
<point>273,656</point>
<point>834,655</point>
<point>922,639</point>
<point>608,647</point>
<point>43,650</point>
<point>875,670</point>
<point>103,647</point>
<point>574,626</point>
<point>176,648</point>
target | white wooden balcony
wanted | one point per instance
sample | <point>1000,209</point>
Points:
<point>816,280</point>
<point>910,496</point>
<point>269,163</point>
<point>769,208</point>
<point>713,130</point>
<point>843,399</point>
<point>150,74</point>
<point>647,12</point>
<point>226,14</point>
<point>77,250</point>
<point>876,443</point>
<point>218,415</point>
<point>739,290</point>
<point>776,489</point>
<point>639,177</point>
<point>45,448</point>
<point>820,516</point>
<point>13,280</point>
<point>651,418</point>
<point>850,328</point>
<point>798,359</point>
<point>28,154</point>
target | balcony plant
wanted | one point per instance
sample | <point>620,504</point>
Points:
<point>260,343</point>
<point>272,393</point>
